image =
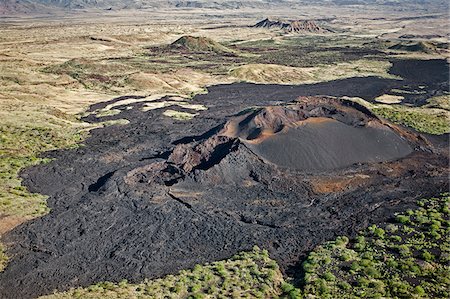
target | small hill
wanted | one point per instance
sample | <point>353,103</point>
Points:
<point>270,73</point>
<point>198,44</point>
<point>419,46</point>
<point>312,134</point>
<point>295,26</point>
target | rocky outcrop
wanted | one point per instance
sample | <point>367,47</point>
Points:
<point>294,26</point>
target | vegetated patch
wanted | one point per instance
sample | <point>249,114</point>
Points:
<point>103,113</point>
<point>23,139</point>
<point>250,274</point>
<point>439,102</point>
<point>407,257</point>
<point>179,115</point>
<point>180,81</point>
<point>191,62</point>
<point>389,99</point>
<point>281,74</point>
<point>21,146</point>
<point>94,74</point>
<point>310,51</point>
<point>3,258</point>
<point>431,118</point>
<point>270,73</point>
<point>135,74</point>
<point>304,51</point>
<point>426,120</point>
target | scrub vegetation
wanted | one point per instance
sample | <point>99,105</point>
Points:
<point>407,257</point>
<point>179,115</point>
<point>3,258</point>
<point>21,146</point>
<point>431,118</point>
<point>246,275</point>
<point>432,121</point>
<point>23,138</point>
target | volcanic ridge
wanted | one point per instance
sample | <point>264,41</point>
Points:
<point>294,26</point>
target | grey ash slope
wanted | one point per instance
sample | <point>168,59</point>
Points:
<point>113,218</point>
<point>331,144</point>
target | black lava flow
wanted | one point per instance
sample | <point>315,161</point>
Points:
<point>106,225</point>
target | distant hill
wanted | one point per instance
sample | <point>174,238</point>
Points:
<point>44,6</point>
<point>198,44</point>
<point>419,46</point>
<point>30,6</point>
<point>291,26</point>
<point>14,6</point>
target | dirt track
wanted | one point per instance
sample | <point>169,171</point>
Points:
<point>109,223</point>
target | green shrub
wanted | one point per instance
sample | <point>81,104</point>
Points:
<point>360,244</point>
<point>345,256</point>
<point>328,276</point>
<point>323,287</point>
<point>372,272</point>
<point>355,266</point>
<point>379,232</point>
<point>418,290</point>
<point>287,287</point>
<point>396,238</point>
<point>403,219</point>
<point>392,263</point>
<point>392,228</point>
<point>308,267</point>
<point>342,241</point>
<point>363,282</point>
<point>378,286</point>
<point>295,294</point>
<point>344,285</point>
<point>427,256</point>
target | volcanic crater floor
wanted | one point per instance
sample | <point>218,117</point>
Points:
<point>282,167</point>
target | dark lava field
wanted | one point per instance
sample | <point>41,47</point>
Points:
<point>266,165</point>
